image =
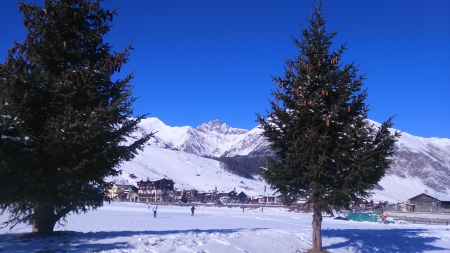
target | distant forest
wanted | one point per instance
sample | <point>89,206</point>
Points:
<point>244,166</point>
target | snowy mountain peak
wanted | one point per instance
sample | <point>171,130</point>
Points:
<point>213,138</point>
<point>152,124</point>
<point>218,127</point>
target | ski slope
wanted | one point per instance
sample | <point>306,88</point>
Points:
<point>188,172</point>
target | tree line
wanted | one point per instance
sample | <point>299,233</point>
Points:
<point>244,166</point>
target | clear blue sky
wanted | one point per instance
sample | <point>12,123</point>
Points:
<point>201,60</point>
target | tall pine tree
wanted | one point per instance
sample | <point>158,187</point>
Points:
<point>63,121</point>
<point>326,151</point>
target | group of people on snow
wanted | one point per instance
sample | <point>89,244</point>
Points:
<point>155,208</point>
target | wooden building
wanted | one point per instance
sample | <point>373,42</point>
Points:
<point>426,203</point>
<point>222,197</point>
<point>243,198</point>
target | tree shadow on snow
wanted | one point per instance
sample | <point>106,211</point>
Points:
<point>70,241</point>
<point>383,240</point>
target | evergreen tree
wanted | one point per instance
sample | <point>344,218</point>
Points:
<point>63,121</point>
<point>244,166</point>
<point>326,150</point>
<point>184,198</point>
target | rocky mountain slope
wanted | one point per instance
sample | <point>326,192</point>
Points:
<point>425,158</point>
<point>213,138</point>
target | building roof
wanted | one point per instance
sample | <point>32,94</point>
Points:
<point>242,194</point>
<point>148,180</point>
<point>440,197</point>
<point>128,185</point>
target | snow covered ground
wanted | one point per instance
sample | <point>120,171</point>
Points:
<point>130,227</point>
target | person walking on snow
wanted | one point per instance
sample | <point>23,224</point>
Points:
<point>192,210</point>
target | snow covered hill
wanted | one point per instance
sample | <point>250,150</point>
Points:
<point>189,171</point>
<point>421,164</point>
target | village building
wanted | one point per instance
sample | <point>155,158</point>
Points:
<point>222,197</point>
<point>242,197</point>
<point>162,190</point>
<point>123,192</point>
<point>232,196</point>
<point>206,197</point>
<point>177,194</point>
<point>155,191</point>
<point>270,200</point>
<point>426,203</point>
<point>186,195</point>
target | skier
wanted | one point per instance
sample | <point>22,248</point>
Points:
<point>192,210</point>
<point>154,211</point>
<point>262,210</point>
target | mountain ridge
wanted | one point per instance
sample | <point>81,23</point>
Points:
<point>423,161</point>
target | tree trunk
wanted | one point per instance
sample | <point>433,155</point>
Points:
<point>317,231</point>
<point>44,220</point>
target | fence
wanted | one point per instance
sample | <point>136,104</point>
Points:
<point>436,219</point>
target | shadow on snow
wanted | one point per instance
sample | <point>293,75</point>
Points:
<point>383,240</point>
<point>356,240</point>
<point>69,241</point>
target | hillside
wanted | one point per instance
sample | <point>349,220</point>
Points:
<point>188,171</point>
<point>421,163</point>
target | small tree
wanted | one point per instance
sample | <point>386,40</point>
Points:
<point>184,198</point>
<point>326,151</point>
<point>63,121</point>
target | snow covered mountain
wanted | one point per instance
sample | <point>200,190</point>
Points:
<point>421,164</point>
<point>210,139</point>
<point>425,158</point>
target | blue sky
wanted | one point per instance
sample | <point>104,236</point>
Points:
<point>201,60</point>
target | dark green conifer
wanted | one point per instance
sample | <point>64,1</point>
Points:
<point>63,121</point>
<point>327,152</point>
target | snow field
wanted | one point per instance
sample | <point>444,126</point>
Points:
<point>130,227</point>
